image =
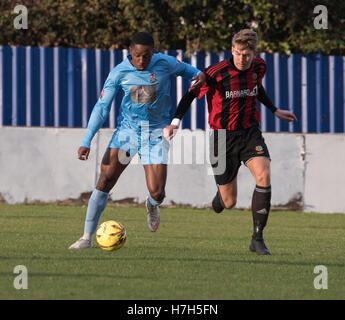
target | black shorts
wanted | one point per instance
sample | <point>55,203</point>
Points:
<point>229,148</point>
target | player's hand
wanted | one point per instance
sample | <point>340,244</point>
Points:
<point>169,131</point>
<point>285,115</point>
<point>199,81</point>
<point>83,153</point>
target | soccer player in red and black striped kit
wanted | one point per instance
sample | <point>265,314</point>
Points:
<point>233,87</point>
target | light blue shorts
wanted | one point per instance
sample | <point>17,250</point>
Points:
<point>149,143</point>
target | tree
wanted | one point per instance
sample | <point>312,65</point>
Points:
<point>284,26</point>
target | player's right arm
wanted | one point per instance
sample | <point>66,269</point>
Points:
<point>183,106</point>
<point>281,114</point>
<point>99,114</point>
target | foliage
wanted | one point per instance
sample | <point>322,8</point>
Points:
<point>284,26</point>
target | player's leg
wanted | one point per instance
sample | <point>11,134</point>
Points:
<point>153,150</point>
<point>261,201</point>
<point>225,164</point>
<point>113,163</point>
<point>111,168</point>
<point>156,175</point>
<point>256,157</point>
<point>226,196</point>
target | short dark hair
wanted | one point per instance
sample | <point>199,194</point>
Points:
<point>143,38</point>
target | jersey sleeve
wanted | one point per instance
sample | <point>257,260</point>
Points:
<point>206,86</point>
<point>184,104</point>
<point>262,69</point>
<point>101,109</point>
<point>182,69</point>
<point>264,98</point>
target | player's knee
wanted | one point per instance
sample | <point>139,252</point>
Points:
<point>105,183</point>
<point>157,193</point>
<point>263,178</point>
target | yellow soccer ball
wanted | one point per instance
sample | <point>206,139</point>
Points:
<point>111,235</point>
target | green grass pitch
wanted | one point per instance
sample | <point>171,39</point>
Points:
<point>195,254</point>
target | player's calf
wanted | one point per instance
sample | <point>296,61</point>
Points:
<point>219,204</point>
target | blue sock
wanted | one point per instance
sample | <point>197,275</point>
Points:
<point>155,202</point>
<point>97,203</point>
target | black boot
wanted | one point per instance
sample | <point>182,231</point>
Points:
<point>257,244</point>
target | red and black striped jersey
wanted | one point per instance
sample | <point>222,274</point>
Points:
<point>232,94</point>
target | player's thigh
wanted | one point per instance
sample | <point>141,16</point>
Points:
<point>228,193</point>
<point>114,162</point>
<point>156,176</point>
<point>153,148</point>
<point>256,157</point>
<point>260,168</point>
<point>225,162</point>
<point>125,139</point>
<point>224,157</point>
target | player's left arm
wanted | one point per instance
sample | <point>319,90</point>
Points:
<point>187,71</point>
<point>281,114</point>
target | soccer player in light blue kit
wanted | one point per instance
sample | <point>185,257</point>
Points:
<point>144,78</point>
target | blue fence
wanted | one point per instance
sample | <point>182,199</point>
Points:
<point>58,87</point>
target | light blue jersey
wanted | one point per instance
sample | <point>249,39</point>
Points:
<point>146,95</point>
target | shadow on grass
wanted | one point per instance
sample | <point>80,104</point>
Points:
<point>48,216</point>
<point>82,275</point>
<point>258,260</point>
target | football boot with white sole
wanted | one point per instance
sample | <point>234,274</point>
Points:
<point>153,216</point>
<point>81,244</point>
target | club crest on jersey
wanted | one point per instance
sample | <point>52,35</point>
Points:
<point>259,149</point>
<point>153,77</point>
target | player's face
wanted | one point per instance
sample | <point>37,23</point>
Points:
<point>243,57</point>
<point>141,56</point>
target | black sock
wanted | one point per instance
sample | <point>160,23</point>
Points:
<point>261,204</point>
<point>220,200</point>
